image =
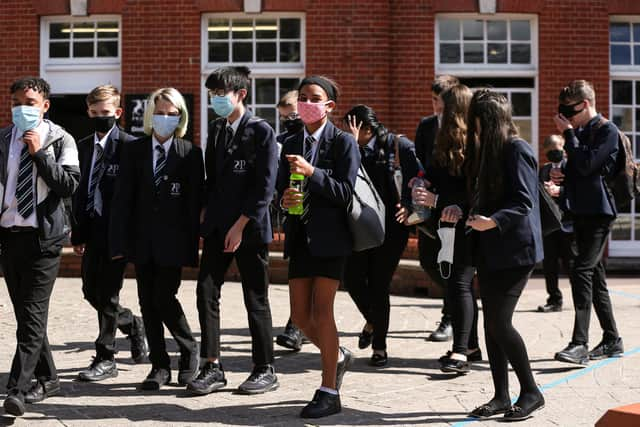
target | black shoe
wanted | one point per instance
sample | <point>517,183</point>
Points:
<point>343,366</point>
<point>100,369</point>
<point>548,308</point>
<point>188,365</point>
<point>490,409</point>
<point>291,338</point>
<point>607,349</point>
<point>210,379</point>
<point>156,379</point>
<point>139,348</point>
<point>521,413</point>
<point>262,379</point>
<point>364,339</point>
<point>42,389</point>
<point>379,360</point>
<point>322,405</point>
<point>14,403</point>
<point>449,365</point>
<point>444,332</point>
<point>474,355</point>
<point>574,353</point>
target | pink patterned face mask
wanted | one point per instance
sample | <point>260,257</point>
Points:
<point>312,112</point>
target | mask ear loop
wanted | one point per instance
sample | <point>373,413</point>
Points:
<point>442,274</point>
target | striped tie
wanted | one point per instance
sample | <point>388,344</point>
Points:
<point>96,175</point>
<point>308,156</point>
<point>24,188</point>
<point>161,162</point>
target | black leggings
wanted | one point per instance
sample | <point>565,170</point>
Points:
<point>500,291</point>
<point>464,308</point>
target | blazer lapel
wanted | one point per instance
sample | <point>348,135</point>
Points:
<point>5,142</point>
<point>147,167</point>
<point>176,150</point>
<point>238,137</point>
<point>326,140</point>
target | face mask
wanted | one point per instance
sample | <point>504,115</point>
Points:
<point>555,156</point>
<point>568,110</point>
<point>312,112</point>
<point>165,126</point>
<point>293,125</point>
<point>447,237</point>
<point>25,117</point>
<point>103,124</point>
<point>222,105</point>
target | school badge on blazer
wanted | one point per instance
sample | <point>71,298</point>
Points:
<point>112,170</point>
<point>175,189</point>
<point>239,166</point>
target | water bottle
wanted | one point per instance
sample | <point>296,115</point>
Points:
<point>419,209</point>
<point>295,182</point>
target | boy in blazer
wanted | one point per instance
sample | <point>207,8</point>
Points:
<point>102,278</point>
<point>241,166</point>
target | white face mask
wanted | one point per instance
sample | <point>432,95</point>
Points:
<point>397,180</point>
<point>447,237</point>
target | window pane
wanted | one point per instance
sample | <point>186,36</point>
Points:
<point>59,50</point>
<point>623,118</point>
<point>449,29</point>
<point>266,29</point>
<point>83,30</point>
<point>83,49</point>
<point>266,52</point>
<point>520,53</point>
<point>218,52</point>
<point>636,33</point>
<point>524,129</point>
<point>107,30</point>
<point>473,53</point>
<point>108,49</point>
<point>621,92</point>
<point>288,84</point>
<point>218,29</point>
<point>521,104</point>
<point>243,52</point>
<point>269,114</point>
<point>496,30</point>
<point>472,29</point>
<point>497,53</point>
<point>290,52</point>
<point>636,54</point>
<point>520,30</point>
<point>242,29</point>
<point>620,54</point>
<point>266,91</point>
<point>59,31</point>
<point>449,53</point>
<point>290,28</point>
<point>619,32</point>
<point>621,229</point>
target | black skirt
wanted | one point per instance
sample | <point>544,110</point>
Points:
<point>303,265</point>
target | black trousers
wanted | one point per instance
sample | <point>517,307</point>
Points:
<point>101,283</point>
<point>559,248</point>
<point>368,277</point>
<point>464,307</point>
<point>253,264</point>
<point>157,289</point>
<point>428,249</point>
<point>30,275</point>
<point>588,279</point>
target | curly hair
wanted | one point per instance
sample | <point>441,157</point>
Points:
<point>449,150</point>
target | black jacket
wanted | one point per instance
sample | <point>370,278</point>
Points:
<point>426,139</point>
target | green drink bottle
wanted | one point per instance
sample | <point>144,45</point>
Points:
<point>295,182</point>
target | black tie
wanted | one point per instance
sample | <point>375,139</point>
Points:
<point>24,186</point>
<point>308,156</point>
<point>98,168</point>
<point>161,162</point>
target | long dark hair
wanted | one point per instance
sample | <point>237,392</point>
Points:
<point>365,115</point>
<point>485,154</point>
<point>452,136</point>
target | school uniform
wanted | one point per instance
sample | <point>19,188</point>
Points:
<point>32,231</point>
<point>241,164</point>
<point>158,232</point>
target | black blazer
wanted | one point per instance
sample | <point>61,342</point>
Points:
<point>331,190</point>
<point>158,225</point>
<point>426,139</point>
<point>561,201</point>
<point>80,232</point>
<point>241,180</point>
<point>517,240</point>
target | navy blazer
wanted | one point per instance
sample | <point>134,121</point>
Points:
<point>561,200</point>
<point>517,239</point>
<point>426,139</point>
<point>591,155</point>
<point>158,225</point>
<point>240,180</point>
<point>331,190</point>
<point>80,231</point>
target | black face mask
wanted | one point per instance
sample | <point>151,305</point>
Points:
<point>555,156</point>
<point>103,124</point>
<point>293,125</point>
<point>568,111</point>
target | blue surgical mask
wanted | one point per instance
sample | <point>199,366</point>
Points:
<point>25,117</point>
<point>222,105</point>
<point>165,125</point>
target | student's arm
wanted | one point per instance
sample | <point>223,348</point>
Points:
<point>419,141</point>
<point>61,175</point>
<point>195,196</point>
<point>284,173</point>
<point>409,166</point>
<point>122,203</point>
<point>257,201</point>
<point>598,158</point>
<point>210,161</point>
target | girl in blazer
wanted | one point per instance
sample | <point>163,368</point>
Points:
<point>318,241</point>
<point>160,186</point>
<point>505,218</point>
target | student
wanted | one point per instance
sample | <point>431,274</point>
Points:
<point>292,337</point>
<point>427,245</point>
<point>102,278</point>
<point>241,163</point>
<point>160,188</point>
<point>318,241</point>
<point>451,206</point>
<point>368,273</point>
<point>560,244</point>
<point>591,154</point>
<point>39,168</point>
<point>502,174</point>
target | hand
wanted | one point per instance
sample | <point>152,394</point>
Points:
<point>402,214</point>
<point>557,177</point>
<point>451,213</point>
<point>552,189</point>
<point>412,181</point>
<point>117,257</point>
<point>562,123</point>
<point>203,213</point>
<point>480,223</point>
<point>78,249</point>
<point>291,198</point>
<point>354,128</point>
<point>32,139</point>
<point>234,235</point>
<point>297,164</point>
<point>423,197</point>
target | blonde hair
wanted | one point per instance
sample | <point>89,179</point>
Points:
<point>289,98</point>
<point>103,93</point>
<point>553,139</point>
<point>174,97</point>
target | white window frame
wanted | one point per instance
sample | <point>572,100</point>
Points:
<point>631,71</point>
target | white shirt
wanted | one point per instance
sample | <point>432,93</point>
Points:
<point>316,135</point>
<point>97,195</point>
<point>234,126</point>
<point>166,145</point>
<point>372,143</point>
<point>10,217</point>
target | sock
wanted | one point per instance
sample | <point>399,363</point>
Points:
<point>458,356</point>
<point>329,390</point>
<point>340,356</point>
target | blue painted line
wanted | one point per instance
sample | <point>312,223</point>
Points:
<point>624,294</point>
<point>563,380</point>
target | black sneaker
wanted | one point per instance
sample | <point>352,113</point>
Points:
<point>210,379</point>
<point>42,389</point>
<point>549,308</point>
<point>291,338</point>
<point>379,360</point>
<point>156,379</point>
<point>188,365</point>
<point>343,366</point>
<point>607,349</point>
<point>474,355</point>
<point>364,339</point>
<point>261,380</point>
<point>574,353</point>
<point>449,365</point>
<point>14,403</point>
<point>100,369</point>
<point>322,405</point>
<point>139,347</point>
<point>444,332</point>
